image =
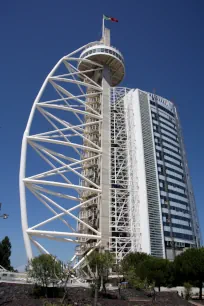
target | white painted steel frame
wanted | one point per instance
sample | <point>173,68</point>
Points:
<point>37,183</point>
<point>124,214</point>
<point>123,219</point>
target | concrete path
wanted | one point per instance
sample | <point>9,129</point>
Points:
<point>195,303</point>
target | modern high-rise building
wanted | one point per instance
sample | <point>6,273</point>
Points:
<point>113,172</point>
<point>166,213</point>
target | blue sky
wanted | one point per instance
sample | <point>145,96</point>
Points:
<point>163,45</point>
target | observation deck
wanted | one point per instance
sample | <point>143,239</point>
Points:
<point>105,56</point>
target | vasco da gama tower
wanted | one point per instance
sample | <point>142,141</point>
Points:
<point>104,166</point>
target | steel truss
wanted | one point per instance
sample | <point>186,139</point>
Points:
<point>66,150</point>
<point>120,242</point>
<point>72,152</point>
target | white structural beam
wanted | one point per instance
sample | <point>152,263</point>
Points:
<point>65,234</point>
<point>57,145</point>
<point>80,174</point>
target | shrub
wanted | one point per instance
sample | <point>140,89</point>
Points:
<point>188,290</point>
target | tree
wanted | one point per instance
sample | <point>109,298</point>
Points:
<point>132,260</point>
<point>101,262</point>
<point>45,269</point>
<point>155,270</point>
<point>5,253</point>
<point>98,265</point>
<point>66,273</point>
<point>141,270</point>
<point>129,267</point>
<point>188,290</point>
<point>189,267</point>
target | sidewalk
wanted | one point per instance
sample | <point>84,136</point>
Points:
<point>195,303</point>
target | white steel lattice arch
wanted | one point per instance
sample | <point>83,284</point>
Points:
<point>73,89</point>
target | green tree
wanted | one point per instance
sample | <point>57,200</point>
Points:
<point>129,267</point>
<point>98,266</point>
<point>188,290</point>
<point>132,260</point>
<point>5,253</point>
<point>65,274</point>
<point>45,269</point>
<point>155,270</point>
<point>189,267</point>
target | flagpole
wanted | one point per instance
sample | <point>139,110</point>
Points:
<point>103,28</point>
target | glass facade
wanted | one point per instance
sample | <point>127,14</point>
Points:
<point>178,221</point>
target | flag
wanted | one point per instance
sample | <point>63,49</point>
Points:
<point>110,18</point>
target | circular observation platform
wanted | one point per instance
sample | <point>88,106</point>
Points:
<point>106,56</point>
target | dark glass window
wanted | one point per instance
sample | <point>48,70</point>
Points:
<point>171,136</point>
<point>163,141</point>
<point>169,155</point>
<point>152,102</point>
<point>174,200</point>
<point>172,170</point>
<point>173,164</point>
<point>184,211</point>
<point>166,110</point>
<point>163,128</point>
<point>179,235</point>
<point>173,185</point>
<point>176,217</point>
<point>175,178</point>
<point>177,225</point>
<point>174,192</point>
<point>175,150</point>
<point>168,120</point>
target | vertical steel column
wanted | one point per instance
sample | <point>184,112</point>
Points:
<point>105,161</point>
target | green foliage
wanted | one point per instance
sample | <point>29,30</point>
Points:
<point>98,267</point>
<point>101,261</point>
<point>155,270</point>
<point>189,267</point>
<point>100,264</point>
<point>5,253</point>
<point>134,280</point>
<point>130,269</point>
<point>142,270</point>
<point>188,290</point>
<point>132,260</point>
<point>45,269</point>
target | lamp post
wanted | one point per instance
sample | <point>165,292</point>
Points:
<point>4,216</point>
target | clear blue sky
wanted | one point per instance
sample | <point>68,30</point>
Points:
<point>163,45</point>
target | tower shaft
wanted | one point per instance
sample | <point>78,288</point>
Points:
<point>105,162</point>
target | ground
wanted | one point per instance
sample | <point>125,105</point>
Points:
<point>21,295</point>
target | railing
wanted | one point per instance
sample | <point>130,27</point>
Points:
<point>110,48</point>
<point>13,276</point>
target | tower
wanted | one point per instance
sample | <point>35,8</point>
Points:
<point>99,213</point>
<point>111,169</point>
<point>78,102</point>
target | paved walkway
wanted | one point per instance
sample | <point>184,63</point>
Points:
<point>195,303</point>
